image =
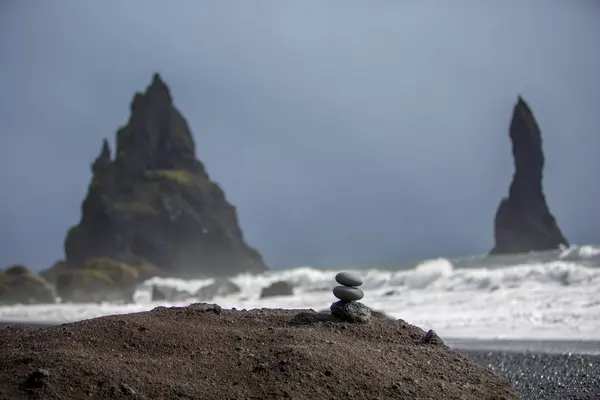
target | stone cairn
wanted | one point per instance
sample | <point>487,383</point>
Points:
<point>349,289</point>
<point>348,307</point>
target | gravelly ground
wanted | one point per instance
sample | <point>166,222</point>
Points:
<point>538,370</point>
<point>541,376</point>
<point>204,352</point>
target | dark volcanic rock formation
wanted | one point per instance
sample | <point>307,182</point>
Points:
<point>523,221</point>
<point>18,285</point>
<point>98,280</point>
<point>155,202</point>
<point>278,288</point>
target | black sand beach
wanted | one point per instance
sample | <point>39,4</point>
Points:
<point>540,370</point>
<point>544,376</point>
<point>537,370</point>
<point>547,369</point>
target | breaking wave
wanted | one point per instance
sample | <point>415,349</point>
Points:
<point>537,296</point>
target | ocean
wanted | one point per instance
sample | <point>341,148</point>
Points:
<point>539,296</point>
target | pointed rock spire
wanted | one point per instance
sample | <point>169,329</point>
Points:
<point>104,159</point>
<point>156,136</point>
<point>158,90</point>
<point>155,201</point>
<point>523,222</point>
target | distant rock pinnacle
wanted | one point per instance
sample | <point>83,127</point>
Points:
<point>523,221</point>
<point>155,202</point>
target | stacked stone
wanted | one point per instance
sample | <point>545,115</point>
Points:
<point>349,290</point>
<point>348,308</point>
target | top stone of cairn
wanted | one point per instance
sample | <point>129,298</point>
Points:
<point>348,279</point>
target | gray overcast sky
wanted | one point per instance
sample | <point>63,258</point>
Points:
<point>343,131</point>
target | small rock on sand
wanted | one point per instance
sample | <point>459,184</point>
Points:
<point>279,288</point>
<point>351,311</point>
<point>36,379</point>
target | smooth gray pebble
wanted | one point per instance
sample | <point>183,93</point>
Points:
<point>348,279</point>
<point>348,293</point>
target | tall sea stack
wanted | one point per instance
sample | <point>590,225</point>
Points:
<point>155,201</point>
<point>523,221</point>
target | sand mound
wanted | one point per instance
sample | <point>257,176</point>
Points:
<point>203,352</point>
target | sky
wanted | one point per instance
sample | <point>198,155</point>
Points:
<point>345,132</point>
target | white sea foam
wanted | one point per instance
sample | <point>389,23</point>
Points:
<point>556,299</point>
<point>584,252</point>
